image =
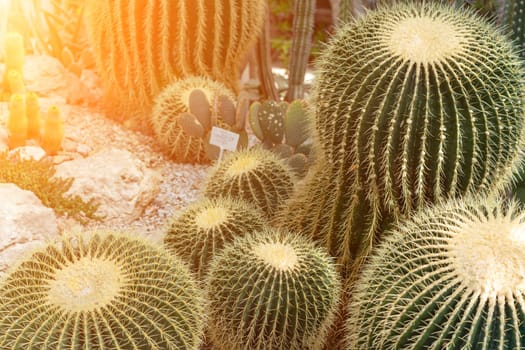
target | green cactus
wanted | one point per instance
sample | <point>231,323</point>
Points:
<point>255,175</point>
<point>512,17</point>
<point>451,277</point>
<point>200,231</point>
<point>282,127</point>
<point>141,46</point>
<point>182,118</point>
<point>271,290</point>
<point>108,291</point>
<point>414,103</point>
<point>303,27</point>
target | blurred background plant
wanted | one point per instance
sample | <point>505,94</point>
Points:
<point>51,27</point>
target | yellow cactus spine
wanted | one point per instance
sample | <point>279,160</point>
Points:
<point>14,57</point>
<point>17,121</point>
<point>53,131</point>
<point>33,116</point>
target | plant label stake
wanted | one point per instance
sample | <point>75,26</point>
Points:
<point>224,139</point>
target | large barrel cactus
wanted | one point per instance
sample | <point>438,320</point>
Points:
<point>271,290</point>
<point>142,45</point>
<point>453,277</point>
<point>200,231</point>
<point>414,103</point>
<point>105,292</point>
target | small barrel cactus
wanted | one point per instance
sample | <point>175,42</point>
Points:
<point>141,46</point>
<point>53,131</point>
<point>255,175</point>
<point>452,277</point>
<point>414,103</point>
<point>200,231</point>
<point>271,290</point>
<point>184,113</point>
<point>108,291</point>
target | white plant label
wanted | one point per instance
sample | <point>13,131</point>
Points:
<point>224,139</point>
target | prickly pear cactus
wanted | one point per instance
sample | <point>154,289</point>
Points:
<point>452,277</point>
<point>141,46</point>
<point>181,133</point>
<point>284,128</point>
<point>200,231</point>
<point>255,175</point>
<point>414,103</point>
<point>271,290</point>
<point>108,291</point>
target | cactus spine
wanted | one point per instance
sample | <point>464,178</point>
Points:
<point>206,226</point>
<point>108,291</point>
<point>414,103</point>
<point>141,46</point>
<point>271,290</point>
<point>450,277</point>
<point>512,16</point>
<point>254,175</point>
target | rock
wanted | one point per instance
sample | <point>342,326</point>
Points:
<point>46,76</point>
<point>28,152</point>
<point>3,140</point>
<point>118,181</point>
<point>25,224</point>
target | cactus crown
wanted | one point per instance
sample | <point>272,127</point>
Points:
<point>86,284</point>
<point>211,217</point>
<point>278,255</point>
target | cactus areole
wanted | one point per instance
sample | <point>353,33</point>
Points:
<point>453,277</point>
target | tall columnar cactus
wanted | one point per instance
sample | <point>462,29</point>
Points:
<point>13,56</point>
<point>184,113</point>
<point>17,121</point>
<point>450,278</point>
<point>52,131</point>
<point>200,231</point>
<point>141,46</point>
<point>511,14</point>
<point>255,175</point>
<point>271,290</point>
<point>108,291</point>
<point>414,103</point>
<point>303,27</point>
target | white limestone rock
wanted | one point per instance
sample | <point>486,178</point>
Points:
<point>25,224</point>
<point>118,181</point>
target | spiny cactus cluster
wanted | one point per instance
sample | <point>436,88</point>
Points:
<point>271,290</point>
<point>284,128</point>
<point>141,46</point>
<point>185,112</point>
<point>108,291</point>
<point>201,230</point>
<point>255,175</point>
<point>413,104</point>
<point>451,277</point>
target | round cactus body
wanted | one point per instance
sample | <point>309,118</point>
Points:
<point>170,105</point>
<point>206,226</point>
<point>414,103</point>
<point>271,290</point>
<point>106,292</point>
<point>450,278</point>
<point>141,46</point>
<point>255,175</point>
